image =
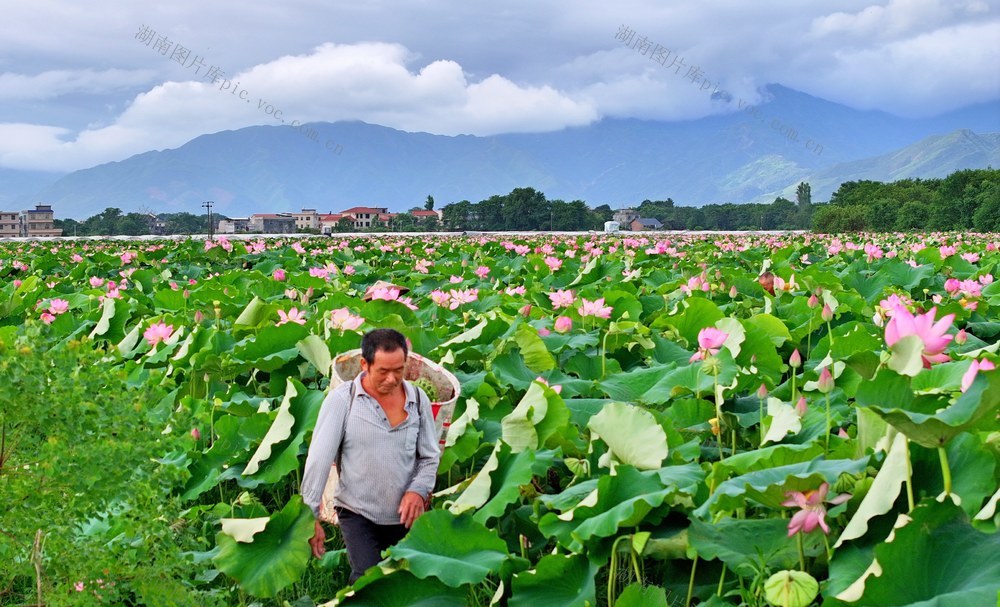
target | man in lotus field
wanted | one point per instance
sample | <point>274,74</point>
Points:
<point>386,450</point>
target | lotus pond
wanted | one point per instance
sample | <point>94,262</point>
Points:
<point>644,419</point>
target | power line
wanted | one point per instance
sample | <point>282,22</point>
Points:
<point>208,205</point>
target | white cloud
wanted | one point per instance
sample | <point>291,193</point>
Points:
<point>55,83</point>
<point>368,81</point>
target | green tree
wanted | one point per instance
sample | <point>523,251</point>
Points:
<point>429,203</point>
<point>457,216</point>
<point>987,215</point>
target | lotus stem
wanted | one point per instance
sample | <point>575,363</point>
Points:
<point>828,424</point>
<point>945,470</point>
<point>909,475</point>
<point>802,552</point>
<point>694,567</point>
<point>722,579</point>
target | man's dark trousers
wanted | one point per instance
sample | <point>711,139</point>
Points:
<point>365,540</point>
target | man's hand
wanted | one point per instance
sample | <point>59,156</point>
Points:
<point>317,541</point>
<point>410,507</point>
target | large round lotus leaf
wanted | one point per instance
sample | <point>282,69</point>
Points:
<point>389,588</point>
<point>455,549</point>
<point>636,595</point>
<point>791,589</point>
<point>936,559</point>
<point>931,420</point>
<point>277,556</point>
<point>556,580</point>
<point>632,434</point>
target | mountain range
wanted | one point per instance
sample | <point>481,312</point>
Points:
<point>751,154</point>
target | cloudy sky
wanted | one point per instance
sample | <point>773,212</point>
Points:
<point>86,83</point>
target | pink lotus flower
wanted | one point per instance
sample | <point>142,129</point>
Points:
<point>386,293</point>
<point>58,306</point>
<point>557,388</point>
<point>594,308</point>
<point>345,321</point>
<point>562,299</point>
<point>563,324</point>
<point>158,332</point>
<point>974,368</point>
<point>278,274</point>
<point>931,333</point>
<point>462,296</point>
<point>349,270</point>
<point>518,290</point>
<point>293,315</point>
<point>319,272</point>
<point>455,279</point>
<point>47,318</point>
<point>711,339</point>
<point>96,281</point>
<point>946,251</point>
<point>482,271</point>
<point>440,297</point>
<point>813,512</point>
<point>554,263</point>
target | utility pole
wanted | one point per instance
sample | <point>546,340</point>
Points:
<point>208,205</point>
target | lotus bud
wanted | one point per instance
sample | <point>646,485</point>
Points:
<point>198,316</point>
<point>195,433</point>
<point>714,424</point>
<point>813,301</point>
<point>795,360</point>
<point>563,324</point>
<point>525,309</point>
<point>762,392</point>
<point>825,383</point>
<point>217,306</point>
<point>961,337</point>
<point>801,407</point>
<point>827,313</point>
<point>733,291</point>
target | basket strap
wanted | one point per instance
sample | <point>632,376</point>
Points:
<point>343,431</point>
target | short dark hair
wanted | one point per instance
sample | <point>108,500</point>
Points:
<point>386,340</point>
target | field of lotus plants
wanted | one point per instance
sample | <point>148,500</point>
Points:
<point>644,420</point>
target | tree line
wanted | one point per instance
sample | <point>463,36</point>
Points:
<point>112,222</point>
<point>964,200</point>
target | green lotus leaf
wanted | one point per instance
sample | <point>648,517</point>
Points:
<point>536,356</point>
<point>272,347</point>
<point>315,350</point>
<point>768,486</point>
<point>931,420</point>
<point>937,558</point>
<point>556,580</point>
<point>883,492</point>
<point>907,355</point>
<point>498,483</point>
<point>253,314</point>
<point>785,420</point>
<point>276,558</point>
<point>539,415</point>
<point>278,452</point>
<point>622,500</point>
<point>385,587</point>
<point>790,588</point>
<point>632,435</point>
<point>637,595</point>
<point>455,549</point>
<point>766,457</point>
<point>746,544</point>
<point>235,435</point>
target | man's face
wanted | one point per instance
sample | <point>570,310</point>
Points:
<point>386,370</point>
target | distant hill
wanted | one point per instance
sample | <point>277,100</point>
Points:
<point>933,157</point>
<point>748,155</point>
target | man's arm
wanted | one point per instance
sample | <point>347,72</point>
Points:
<point>325,445</point>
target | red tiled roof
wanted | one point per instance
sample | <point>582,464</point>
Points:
<point>331,217</point>
<point>424,213</point>
<point>270,216</point>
